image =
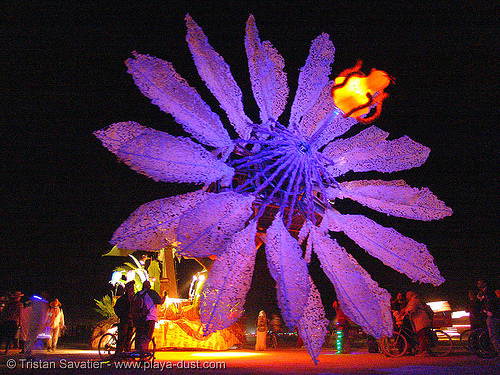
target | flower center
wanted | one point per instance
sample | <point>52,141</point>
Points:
<point>281,170</point>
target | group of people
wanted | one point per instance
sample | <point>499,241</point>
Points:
<point>484,311</point>
<point>21,323</point>
<point>409,310</point>
<point>137,311</point>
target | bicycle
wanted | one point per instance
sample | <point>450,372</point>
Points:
<point>107,349</point>
<point>464,339</point>
<point>404,340</point>
<point>478,342</point>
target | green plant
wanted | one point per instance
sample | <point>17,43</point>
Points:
<point>105,306</point>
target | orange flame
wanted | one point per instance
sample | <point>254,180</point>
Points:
<point>354,93</point>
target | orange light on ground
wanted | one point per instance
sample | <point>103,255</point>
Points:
<point>355,93</point>
<point>237,354</point>
<point>232,356</point>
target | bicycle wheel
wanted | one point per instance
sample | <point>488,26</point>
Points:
<point>479,343</point>
<point>394,346</point>
<point>473,341</point>
<point>107,346</point>
<point>146,355</point>
<point>441,343</point>
<point>484,347</point>
<point>150,354</point>
<point>464,339</point>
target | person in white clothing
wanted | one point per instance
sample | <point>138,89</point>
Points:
<point>260,342</point>
<point>56,323</point>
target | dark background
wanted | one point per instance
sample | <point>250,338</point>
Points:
<point>63,77</point>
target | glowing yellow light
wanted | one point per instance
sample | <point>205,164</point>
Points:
<point>355,94</point>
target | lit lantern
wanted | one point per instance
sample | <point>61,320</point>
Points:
<point>355,93</point>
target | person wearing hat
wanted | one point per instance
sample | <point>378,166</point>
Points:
<point>12,317</point>
<point>56,323</point>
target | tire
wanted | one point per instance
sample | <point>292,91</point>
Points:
<point>148,355</point>
<point>485,349</point>
<point>107,346</point>
<point>394,346</point>
<point>479,343</point>
<point>473,342</point>
<point>441,343</point>
<point>464,339</point>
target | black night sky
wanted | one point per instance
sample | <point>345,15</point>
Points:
<point>63,76</point>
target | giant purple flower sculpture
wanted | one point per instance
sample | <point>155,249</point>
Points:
<point>292,168</point>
